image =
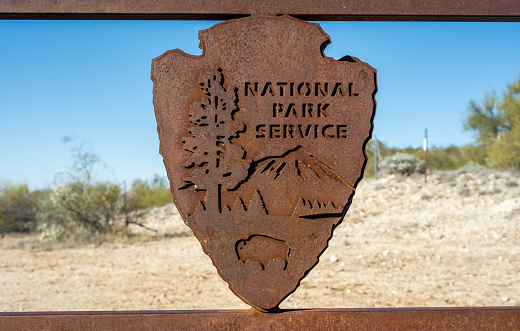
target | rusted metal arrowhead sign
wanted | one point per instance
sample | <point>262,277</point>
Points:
<point>263,138</point>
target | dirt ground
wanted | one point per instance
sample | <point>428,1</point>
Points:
<point>453,242</point>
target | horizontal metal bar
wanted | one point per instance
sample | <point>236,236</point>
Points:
<point>488,318</point>
<point>345,10</point>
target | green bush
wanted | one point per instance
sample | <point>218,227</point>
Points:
<point>151,193</point>
<point>371,150</point>
<point>504,152</point>
<point>474,154</point>
<point>449,158</point>
<point>108,201</point>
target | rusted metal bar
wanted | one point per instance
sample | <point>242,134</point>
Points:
<point>489,318</point>
<point>352,10</point>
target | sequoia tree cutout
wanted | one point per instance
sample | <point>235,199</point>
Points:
<point>215,158</point>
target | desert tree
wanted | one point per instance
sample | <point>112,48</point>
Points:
<point>496,121</point>
<point>486,118</point>
<point>505,150</point>
<point>79,200</point>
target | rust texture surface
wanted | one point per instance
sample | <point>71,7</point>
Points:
<point>384,10</point>
<point>263,141</point>
<point>505,318</point>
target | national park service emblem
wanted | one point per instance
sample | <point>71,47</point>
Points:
<point>263,138</point>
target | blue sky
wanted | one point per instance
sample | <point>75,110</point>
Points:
<point>91,80</point>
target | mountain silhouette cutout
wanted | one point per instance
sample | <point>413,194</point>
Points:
<point>296,175</point>
<point>305,164</point>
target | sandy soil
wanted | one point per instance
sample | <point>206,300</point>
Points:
<point>453,242</point>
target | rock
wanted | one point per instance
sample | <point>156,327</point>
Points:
<point>464,191</point>
<point>425,197</point>
<point>445,176</point>
<point>379,187</point>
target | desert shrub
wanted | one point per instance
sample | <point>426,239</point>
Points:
<point>52,231</point>
<point>18,208</point>
<point>449,158</point>
<point>401,164</point>
<point>369,169</point>
<point>372,150</point>
<point>472,167</point>
<point>474,154</point>
<point>78,205</point>
<point>108,202</point>
<point>504,152</point>
<point>78,208</point>
<point>439,159</point>
<point>150,193</point>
